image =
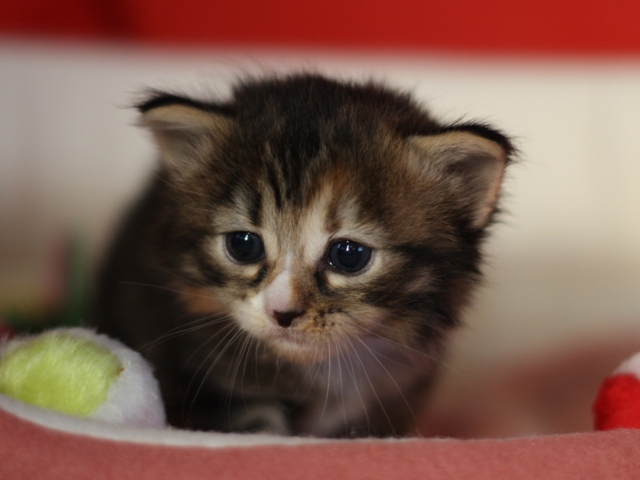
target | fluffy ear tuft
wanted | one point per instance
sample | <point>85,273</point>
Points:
<point>186,131</point>
<point>474,161</point>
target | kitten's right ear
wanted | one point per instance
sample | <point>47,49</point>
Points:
<point>186,131</point>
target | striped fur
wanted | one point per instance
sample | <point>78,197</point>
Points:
<point>289,343</point>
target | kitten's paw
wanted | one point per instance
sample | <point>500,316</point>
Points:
<point>262,418</point>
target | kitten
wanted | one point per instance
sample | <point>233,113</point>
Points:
<point>301,254</point>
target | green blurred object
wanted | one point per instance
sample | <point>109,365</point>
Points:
<point>66,301</point>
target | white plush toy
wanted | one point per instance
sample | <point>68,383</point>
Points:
<point>79,372</point>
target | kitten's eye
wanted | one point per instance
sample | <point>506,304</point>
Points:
<point>348,256</point>
<point>245,247</point>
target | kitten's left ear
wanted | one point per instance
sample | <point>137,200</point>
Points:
<point>474,159</point>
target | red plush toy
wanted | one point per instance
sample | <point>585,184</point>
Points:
<point>618,402</point>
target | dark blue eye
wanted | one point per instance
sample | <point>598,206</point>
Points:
<point>348,256</point>
<point>245,247</point>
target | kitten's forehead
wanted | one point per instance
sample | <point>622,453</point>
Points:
<point>331,210</point>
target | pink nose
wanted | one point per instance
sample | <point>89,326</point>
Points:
<point>285,319</point>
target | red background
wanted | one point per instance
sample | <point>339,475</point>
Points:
<point>487,26</point>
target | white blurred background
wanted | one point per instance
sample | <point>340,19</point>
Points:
<point>562,266</point>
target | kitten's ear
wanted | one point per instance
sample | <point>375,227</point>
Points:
<point>186,132</point>
<point>474,159</point>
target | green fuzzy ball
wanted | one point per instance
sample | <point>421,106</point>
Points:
<point>59,371</point>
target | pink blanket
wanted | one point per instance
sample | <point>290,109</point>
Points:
<point>38,444</point>
<point>553,394</point>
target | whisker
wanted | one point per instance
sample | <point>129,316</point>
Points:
<point>373,354</point>
<point>328,383</point>
<point>229,330</point>
<point>239,354</point>
<point>340,381</point>
<point>257,370</point>
<point>373,389</point>
<point>250,340</point>
<point>228,326</point>
<point>187,362</point>
<point>352,372</point>
<point>432,358</point>
<point>169,289</point>
<point>175,275</point>
<point>311,383</point>
<point>188,327</point>
<point>228,344</point>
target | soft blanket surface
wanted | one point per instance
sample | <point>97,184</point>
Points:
<point>31,450</point>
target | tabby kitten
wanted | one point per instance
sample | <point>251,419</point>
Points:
<point>301,254</point>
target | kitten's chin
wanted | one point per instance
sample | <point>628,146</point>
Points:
<point>299,350</point>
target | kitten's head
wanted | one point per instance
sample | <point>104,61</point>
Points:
<point>317,213</point>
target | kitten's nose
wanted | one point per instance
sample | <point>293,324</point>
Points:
<point>285,319</point>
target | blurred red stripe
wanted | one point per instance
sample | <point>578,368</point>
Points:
<point>545,26</point>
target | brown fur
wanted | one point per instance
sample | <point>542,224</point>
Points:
<point>289,342</point>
